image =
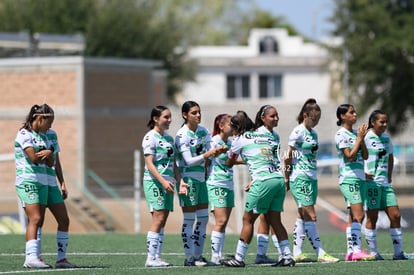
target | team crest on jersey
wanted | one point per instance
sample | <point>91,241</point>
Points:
<point>356,197</point>
<point>373,202</point>
<point>160,200</point>
<point>34,141</point>
<point>307,198</point>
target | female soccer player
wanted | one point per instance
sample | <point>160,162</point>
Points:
<point>33,154</point>
<point>265,124</point>
<point>160,177</point>
<point>303,144</point>
<point>267,190</point>
<point>193,146</point>
<point>380,192</point>
<point>352,152</point>
<point>220,186</point>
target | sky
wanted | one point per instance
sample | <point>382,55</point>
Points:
<point>309,17</point>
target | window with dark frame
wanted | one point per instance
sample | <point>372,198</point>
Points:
<point>268,45</point>
<point>238,86</point>
<point>270,86</point>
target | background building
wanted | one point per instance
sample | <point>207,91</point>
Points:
<point>273,65</point>
<point>273,68</point>
<point>102,106</point>
<point>101,110</point>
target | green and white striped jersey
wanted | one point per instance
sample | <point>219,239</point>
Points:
<point>196,143</point>
<point>257,151</point>
<point>305,145</point>
<point>379,150</point>
<point>27,171</point>
<point>161,147</point>
<point>348,169</point>
<point>219,174</point>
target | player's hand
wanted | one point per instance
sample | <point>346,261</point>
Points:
<point>183,188</point>
<point>362,130</point>
<point>64,191</point>
<point>44,154</point>
<point>369,176</point>
<point>247,187</point>
<point>169,187</point>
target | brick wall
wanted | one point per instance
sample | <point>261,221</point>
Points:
<point>119,104</point>
<point>24,88</point>
<point>111,98</point>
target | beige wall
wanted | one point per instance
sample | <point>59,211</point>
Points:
<point>25,88</point>
<point>117,89</point>
<point>101,110</point>
<point>119,104</point>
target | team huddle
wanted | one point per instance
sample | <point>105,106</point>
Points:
<point>198,166</point>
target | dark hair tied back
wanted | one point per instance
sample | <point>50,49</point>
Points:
<point>35,110</point>
<point>155,112</point>
<point>241,122</point>
<point>185,108</point>
<point>374,117</point>
<point>341,110</point>
<point>309,106</point>
<point>258,122</point>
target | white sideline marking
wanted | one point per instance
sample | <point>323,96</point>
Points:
<point>38,270</point>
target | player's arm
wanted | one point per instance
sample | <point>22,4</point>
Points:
<point>61,179</point>
<point>149,162</point>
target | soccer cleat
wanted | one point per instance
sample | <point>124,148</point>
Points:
<point>326,258</point>
<point>152,262</point>
<point>285,261</point>
<point>163,263</point>
<point>201,261</point>
<point>156,262</point>
<point>36,264</point>
<point>378,257</point>
<point>303,258</point>
<point>215,260</point>
<point>189,262</point>
<point>348,257</point>
<point>403,256</point>
<point>362,256</point>
<point>232,262</point>
<point>263,259</point>
<point>64,263</point>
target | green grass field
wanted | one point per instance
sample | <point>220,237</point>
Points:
<point>126,254</point>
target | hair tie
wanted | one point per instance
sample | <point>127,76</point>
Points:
<point>265,108</point>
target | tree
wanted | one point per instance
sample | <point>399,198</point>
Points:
<point>263,19</point>
<point>62,16</point>
<point>150,29</point>
<point>377,34</point>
